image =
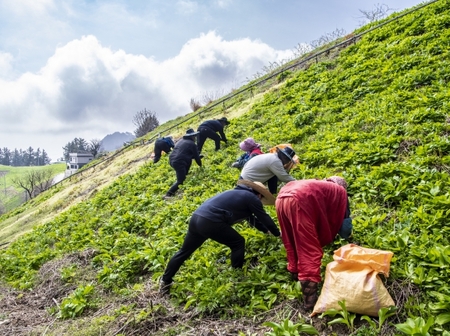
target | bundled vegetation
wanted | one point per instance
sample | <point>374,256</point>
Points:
<point>378,114</point>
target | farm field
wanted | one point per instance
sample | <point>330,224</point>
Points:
<point>12,196</point>
<point>377,113</point>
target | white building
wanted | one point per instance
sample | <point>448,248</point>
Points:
<point>78,160</point>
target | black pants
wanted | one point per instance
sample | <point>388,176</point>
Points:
<point>200,229</point>
<point>272,184</point>
<point>205,133</point>
<point>160,145</point>
<point>181,169</point>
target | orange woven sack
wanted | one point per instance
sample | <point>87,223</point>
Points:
<point>353,277</point>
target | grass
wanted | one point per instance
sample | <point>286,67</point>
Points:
<point>11,196</point>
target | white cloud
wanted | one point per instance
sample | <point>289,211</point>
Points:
<point>223,3</point>
<point>27,8</point>
<point>5,65</point>
<point>88,90</point>
<point>186,7</point>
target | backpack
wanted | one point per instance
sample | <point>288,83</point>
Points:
<point>169,141</point>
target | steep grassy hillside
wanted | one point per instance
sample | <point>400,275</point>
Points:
<point>378,114</point>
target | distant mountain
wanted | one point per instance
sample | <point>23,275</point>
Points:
<point>116,140</point>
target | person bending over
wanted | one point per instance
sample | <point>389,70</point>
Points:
<point>270,168</point>
<point>181,158</point>
<point>214,220</point>
<point>311,213</point>
<point>209,129</point>
<point>164,144</point>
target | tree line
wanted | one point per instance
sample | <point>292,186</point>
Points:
<point>28,157</point>
<point>145,121</point>
<point>80,145</point>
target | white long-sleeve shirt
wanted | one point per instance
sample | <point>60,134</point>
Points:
<point>264,166</point>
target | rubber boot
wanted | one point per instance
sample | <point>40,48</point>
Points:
<point>310,295</point>
<point>294,276</point>
<point>164,287</point>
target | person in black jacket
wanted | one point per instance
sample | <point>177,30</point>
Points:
<point>214,220</point>
<point>209,129</point>
<point>181,159</point>
<point>162,144</point>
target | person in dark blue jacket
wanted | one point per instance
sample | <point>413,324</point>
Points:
<point>214,220</point>
<point>209,129</point>
<point>162,144</point>
<point>181,159</point>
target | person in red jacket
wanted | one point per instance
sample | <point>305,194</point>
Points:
<point>311,213</point>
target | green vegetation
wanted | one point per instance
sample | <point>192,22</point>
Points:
<point>378,114</point>
<point>11,196</point>
<point>345,317</point>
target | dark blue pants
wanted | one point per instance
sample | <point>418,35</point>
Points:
<point>205,133</point>
<point>200,229</point>
<point>181,169</point>
<point>272,184</point>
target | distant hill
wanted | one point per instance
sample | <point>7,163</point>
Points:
<point>116,140</point>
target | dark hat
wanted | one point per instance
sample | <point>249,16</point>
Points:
<point>288,152</point>
<point>267,197</point>
<point>224,120</point>
<point>190,132</point>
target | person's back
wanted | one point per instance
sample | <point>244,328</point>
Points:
<point>209,129</point>
<point>234,205</point>
<point>164,144</point>
<point>181,159</point>
<point>325,201</point>
<point>184,150</point>
<point>263,167</point>
<point>215,125</point>
<point>269,168</point>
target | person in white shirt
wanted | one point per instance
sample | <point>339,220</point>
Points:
<point>270,168</point>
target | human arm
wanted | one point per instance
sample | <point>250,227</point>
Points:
<point>276,167</point>
<point>219,128</point>
<point>222,135</point>
<point>253,221</point>
<point>195,154</point>
<point>262,221</point>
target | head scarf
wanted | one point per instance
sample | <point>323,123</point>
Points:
<point>338,180</point>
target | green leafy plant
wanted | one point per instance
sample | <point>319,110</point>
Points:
<point>75,303</point>
<point>383,315</point>
<point>346,318</point>
<point>68,273</point>
<point>416,326</point>
<point>289,328</point>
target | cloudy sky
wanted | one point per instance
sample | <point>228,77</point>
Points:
<point>84,68</point>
